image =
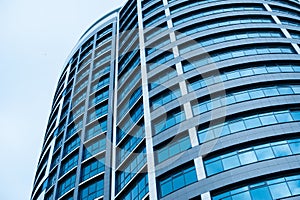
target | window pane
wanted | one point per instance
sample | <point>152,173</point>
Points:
<point>230,100</point>
<point>285,90</point>
<point>242,196</point>
<point>237,126</point>
<point>294,187</point>
<point>249,52</point>
<point>174,149</point>
<point>296,115</point>
<point>178,182</point>
<point>214,168</point>
<point>256,94</point>
<point>295,147</point>
<point>287,69</point>
<point>262,51</point>
<point>279,190</point>
<point>242,97</point>
<point>247,72</point>
<point>225,130</point>
<point>284,117</point>
<point>190,176</point>
<point>185,143</point>
<point>261,194</point>
<point>268,119</point>
<point>273,69</point>
<point>233,75</point>
<point>166,188</point>
<point>264,154</point>
<point>162,155</point>
<point>271,92</point>
<point>252,122</point>
<point>247,157</point>
<point>225,56</point>
<point>282,150</point>
<point>230,162</point>
<point>260,70</point>
<point>296,89</point>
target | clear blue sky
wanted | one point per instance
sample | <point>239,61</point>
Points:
<point>35,39</point>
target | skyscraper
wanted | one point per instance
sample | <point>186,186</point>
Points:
<point>178,99</point>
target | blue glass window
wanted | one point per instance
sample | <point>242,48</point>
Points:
<point>99,127</point>
<point>198,82</point>
<point>156,31</point>
<point>130,143</point>
<point>279,188</point>
<point>92,190</point>
<point>52,179</point>
<point>230,161</point>
<point>173,148</point>
<point>260,193</point>
<point>73,128</point>
<point>134,99</point>
<point>162,77</point>
<point>101,72</point>
<point>69,164</point>
<point>296,115</point>
<point>100,110</point>
<point>247,157</point>
<point>294,186</point>
<point>281,149</point>
<point>131,169</point>
<point>217,164</point>
<point>152,8</point>
<point>133,64</point>
<point>103,81</point>
<point>214,24</point>
<point>252,122</point>
<point>94,148</point>
<point>165,97</point>
<point>71,145</point>
<point>295,146</point>
<point>138,189</point>
<point>149,22</point>
<point>130,84</point>
<point>236,53</point>
<point>246,123</point>
<point>81,86</point>
<point>75,113</point>
<point>130,120</point>
<point>92,168</point>
<point>173,117</point>
<point>99,96</point>
<point>215,10</point>
<point>160,60</point>
<point>66,184</point>
<point>178,179</point>
<point>267,119</point>
<point>264,152</point>
<point>214,166</point>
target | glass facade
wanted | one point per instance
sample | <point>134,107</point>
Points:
<point>178,99</point>
<point>173,148</point>
<point>251,155</point>
<point>247,123</point>
<point>92,191</point>
<point>279,188</point>
<point>177,180</point>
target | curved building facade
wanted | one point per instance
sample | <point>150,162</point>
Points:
<point>178,99</point>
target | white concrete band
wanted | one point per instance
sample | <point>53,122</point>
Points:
<point>147,117</point>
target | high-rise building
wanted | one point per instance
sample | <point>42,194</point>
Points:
<point>178,99</point>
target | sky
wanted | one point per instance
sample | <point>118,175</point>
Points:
<point>36,38</point>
